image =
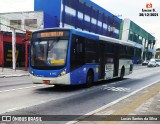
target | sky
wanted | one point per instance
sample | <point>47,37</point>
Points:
<point>126,8</point>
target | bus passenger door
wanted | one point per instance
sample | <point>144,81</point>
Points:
<point>77,59</point>
<point>116,60</point>
<point>101,61</point>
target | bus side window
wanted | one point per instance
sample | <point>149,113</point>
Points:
<point>79,46</point>
<point>77,50</point>
<point>91,51</point>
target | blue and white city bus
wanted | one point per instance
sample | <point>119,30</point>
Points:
<point>70,57</point>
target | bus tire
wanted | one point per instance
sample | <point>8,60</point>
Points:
<point>90,78</point>
<point>122,73</point>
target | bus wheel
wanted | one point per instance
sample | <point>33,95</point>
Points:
<point>122,73</point>
<point>90,79</point>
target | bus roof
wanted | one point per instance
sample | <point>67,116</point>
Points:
<point>101,37</point>
<point>117,41</point>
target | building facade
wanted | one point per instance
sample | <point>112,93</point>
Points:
<point>83,15</point>
<point>143,40</point>
<point>22,21</point>
<point>6,49</point>
<point>80,14</point>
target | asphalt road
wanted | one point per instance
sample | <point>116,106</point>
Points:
<point>18,96</point>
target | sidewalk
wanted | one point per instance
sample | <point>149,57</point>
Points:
<point>9,72</point>
<point>138,66</point>
<point>140,107</point>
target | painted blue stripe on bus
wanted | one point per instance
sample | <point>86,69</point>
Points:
<point>79,75</point>
<point>46,73</point>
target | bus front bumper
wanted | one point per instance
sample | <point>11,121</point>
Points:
<point>61,80</point>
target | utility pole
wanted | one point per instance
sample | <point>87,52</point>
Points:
<point>14,49</point>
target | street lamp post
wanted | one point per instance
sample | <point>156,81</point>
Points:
<point>14,49</point>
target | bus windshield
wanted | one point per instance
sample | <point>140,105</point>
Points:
<point>50,52</point>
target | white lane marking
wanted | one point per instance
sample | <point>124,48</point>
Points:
<point>20,88</point>
<point>112,103</point>
<point>13,109</point>
<point>30,105</point>
<point>41,102</point>
<point>124,89</point>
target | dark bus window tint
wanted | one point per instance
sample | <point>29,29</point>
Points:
<point>79,47</point>
<point>91,51</point>
<point>109,48</point>
<point>132,51</point>
<point>126,52</point>
<point>90,45</point>
<point>123,50</point>
<point>77,52</point>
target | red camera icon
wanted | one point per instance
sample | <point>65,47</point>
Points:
<point>149,5</point>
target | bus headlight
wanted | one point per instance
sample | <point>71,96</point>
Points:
<point>63,72</point>
<point>31,72</point>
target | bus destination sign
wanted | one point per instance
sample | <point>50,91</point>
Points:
<point>52,34</point>
<point>47,34</point>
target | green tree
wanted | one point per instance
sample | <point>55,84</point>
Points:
<point>158,54</point>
